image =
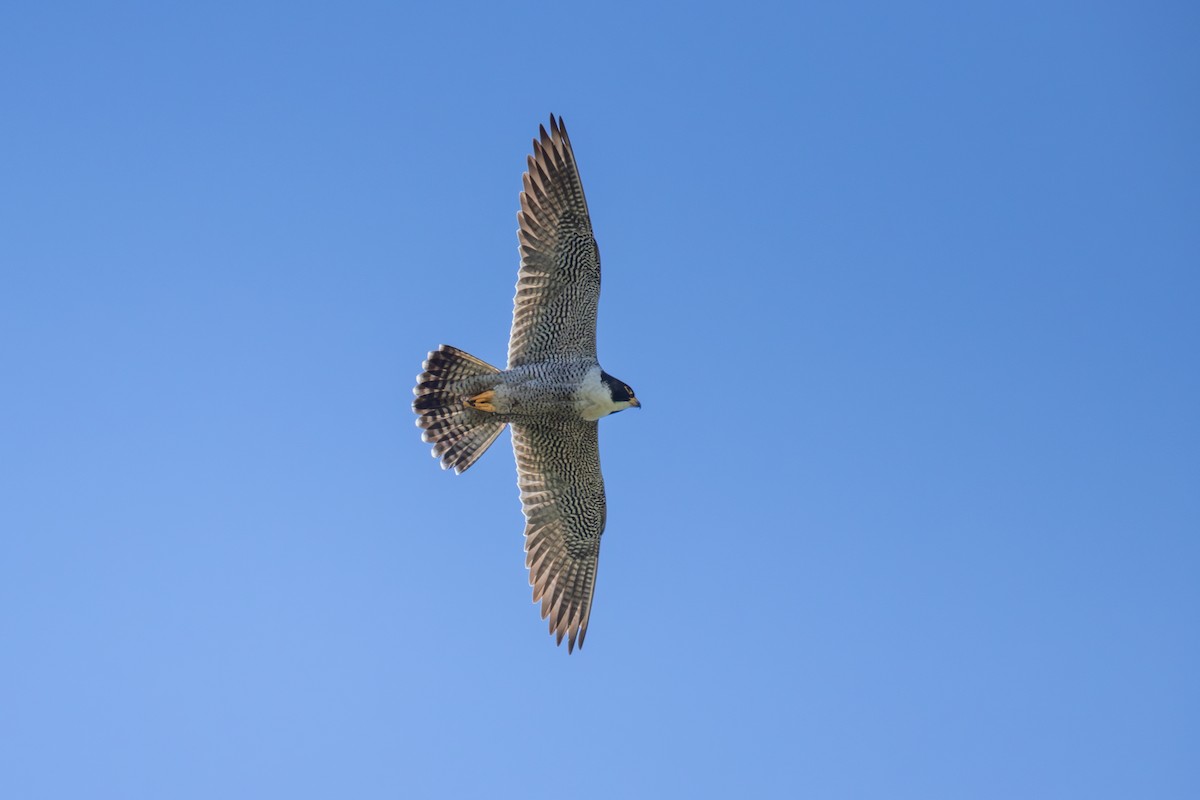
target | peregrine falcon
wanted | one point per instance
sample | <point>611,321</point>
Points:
<point>552,392</point>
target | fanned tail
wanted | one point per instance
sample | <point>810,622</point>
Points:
<point>459,434</point>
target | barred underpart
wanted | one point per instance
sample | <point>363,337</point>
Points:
<point>558,285</point>
<point>562,495</point>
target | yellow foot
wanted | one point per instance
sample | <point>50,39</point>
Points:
<point>482,401</point>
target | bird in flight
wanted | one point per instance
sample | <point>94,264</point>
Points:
<point>552,393</point>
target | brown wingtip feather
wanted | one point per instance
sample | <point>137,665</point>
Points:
<point>564,586</point>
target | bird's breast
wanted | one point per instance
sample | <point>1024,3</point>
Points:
<point>592,399</point>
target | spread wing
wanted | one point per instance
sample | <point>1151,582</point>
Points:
<point>558,286</point>
<point>562,495</point>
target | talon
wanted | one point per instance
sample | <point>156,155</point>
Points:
<point>482,401</point>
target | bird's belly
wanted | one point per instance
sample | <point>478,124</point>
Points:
<point>528,401</point>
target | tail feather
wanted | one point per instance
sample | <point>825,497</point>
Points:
<point>459,434</point>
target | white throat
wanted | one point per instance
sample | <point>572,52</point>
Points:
<point>593,399</point>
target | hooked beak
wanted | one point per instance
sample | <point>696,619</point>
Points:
<point>633,401</point>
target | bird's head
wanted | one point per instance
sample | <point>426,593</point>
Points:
<point>622,396</point>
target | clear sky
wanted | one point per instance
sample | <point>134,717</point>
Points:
<point>909,293</point>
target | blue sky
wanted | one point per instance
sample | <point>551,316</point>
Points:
<point>909,293</point>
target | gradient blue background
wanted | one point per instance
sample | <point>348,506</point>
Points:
<point>909,293</point>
